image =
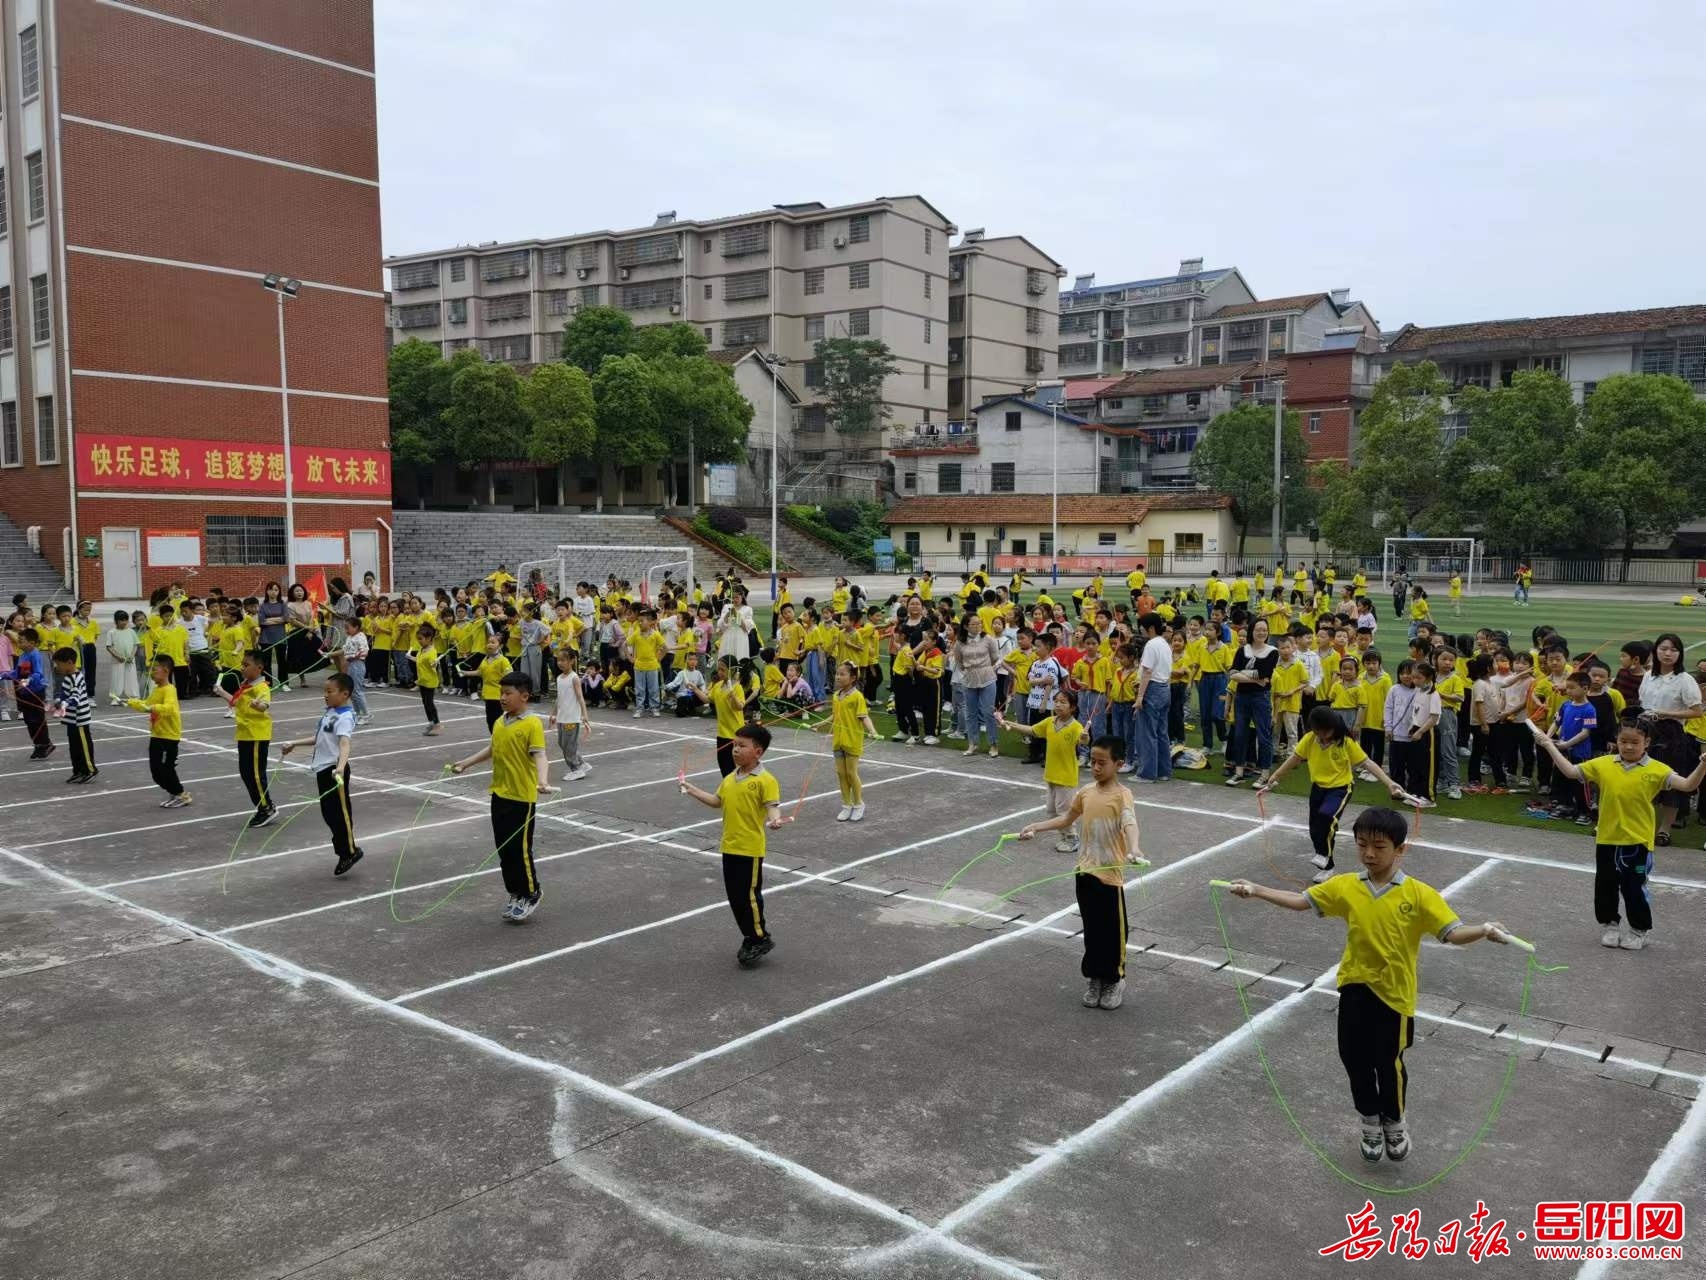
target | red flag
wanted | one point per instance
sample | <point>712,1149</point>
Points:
<point>316,585</point>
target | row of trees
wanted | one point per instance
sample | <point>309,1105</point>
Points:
<point>1534,472</point>
<point>621,395</point>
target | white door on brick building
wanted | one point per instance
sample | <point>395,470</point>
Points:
<point>363,556</point>
<point>121,563</point>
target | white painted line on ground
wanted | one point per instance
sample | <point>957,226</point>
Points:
<point>720,903</point>
<point>297,976</point>
<point>1680,1149</point>
<point>103,792</point>
<point>893,980</point>
<point>1186,1071</point>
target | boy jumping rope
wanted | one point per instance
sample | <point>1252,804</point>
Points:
<point>1386,913</point>
<point>751,801</point>
<point>521,772</point>
<point>251,705</point>
<point>331,742</point>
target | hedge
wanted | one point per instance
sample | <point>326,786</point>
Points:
<point>743,547</point>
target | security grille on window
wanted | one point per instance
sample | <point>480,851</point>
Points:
<point>815,418</point>
<point>457,310</point>
<point>929,240</point>
<point>1034,362</point>
<point>557,302</point>
<point>517,349</point>
<point>504,266</point>
<point>422,315</point>
<point>458,270</point>
<point>655,293</point>
<point>234,540</point>
<point>38,193</point>
<point>814,328</point>
<point>754,237</point>
<point>1033,320</point>
<point>415,275</point>
<point>1002,478</point>
<point>947,477</point>
<point>11,448</point>
<point>746,285</point>
<point>814,373</point>
<point>6,336</point>
<point>814,236</point>
<point>927,333</point>
<point>1475,374</point>
<point>453,345</point>
<point>1083,322</point>
<point>511,306</point>
<point>47,432</point>
<point>748,332</point>
<point>1276,337</point>
<point>647,250</point>
<point>29,61</point>
<point>859,323</point>
<point>1158,313</point>
<point>589,295</point>
<point>859,275</point>
<point>1187,545</point>
<point>556,262</point>
<point>1690,360</point>
<point>1013,420</point>
<point>5,206</point>
<point>1658,359</point>
<point>859,229</point>
<point>586,257</point>
<point>814,280</point>
<point>926,284</point>
<point>956,310</point>
<point>41,310</point>
<point>1159,344</point>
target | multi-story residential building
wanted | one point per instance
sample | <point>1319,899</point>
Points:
<point>1166,411</point>
<point>1583,349</point>
<point>1329,389</point>
<point>779,279</point>
<point>158,161</point>
<point>1274,328</point>
<point>1141,324</point>
<point>1003,313</point>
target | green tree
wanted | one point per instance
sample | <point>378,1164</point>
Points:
<point>1400,456</point>
<point>853,373</point>
<point>485,416</point>
<point>562,421</point>
<point>419,384</point>
<point>1346,517</point>
<point>703,414</point>
<point>1236,457</point>
<point>678,339</point>
<point>1510,473</point>
<point>630,424</point>
<point>594,333</point>
<point>1636,462</point>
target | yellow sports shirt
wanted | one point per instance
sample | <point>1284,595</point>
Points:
<point>745,798</point>
<point>514,740</point>
<point>1383,931</point>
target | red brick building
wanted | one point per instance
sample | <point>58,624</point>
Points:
<point>1329,389</point>
<point>184,149</point>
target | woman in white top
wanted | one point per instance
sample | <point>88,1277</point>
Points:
<point>734,632</point>
<point>1669,695</point>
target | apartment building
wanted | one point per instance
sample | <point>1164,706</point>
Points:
<point>1108,330</point>
<point>779,279</point>
<point>1003,314</point>
<point>1582,349</point>
<point>1272,329</point>
<point>158,162</point>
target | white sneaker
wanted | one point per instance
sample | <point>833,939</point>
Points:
<point>364,719</point>
<point>1633,940</point>
<point>575,775</point>
<point>969,751</point>
<point>900,737</point>
<point>1066,846</point>
<point>912,741</point>
<point>1322,876</point>
<point>931,739</point>
<point>1397,1140</point>
<point>857,814</point>
<point>230,713</point>
<point>1320,860</point>
<point>1422,802</point>
<point>845,814</point>
<point>1456,793</point>
<point>1612,937</point>
<point>638,713</point>
<point>655,713</point>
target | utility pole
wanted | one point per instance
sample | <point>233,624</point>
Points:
<point>1279,468</point>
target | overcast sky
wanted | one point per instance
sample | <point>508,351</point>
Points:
<point>1447,162</point>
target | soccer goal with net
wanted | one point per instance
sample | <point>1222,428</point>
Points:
<point>645,569</point>
<point>1432,562</point>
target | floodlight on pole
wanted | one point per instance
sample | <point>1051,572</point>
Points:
<point>1054,487</point>
<point>282,287</point>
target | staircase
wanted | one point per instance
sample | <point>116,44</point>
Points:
<point>808,557</point>
<point>24,570</point>
<point>448,548</point>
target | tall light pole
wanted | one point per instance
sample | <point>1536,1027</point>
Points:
<point>1054,482</point>
<point>1279,465</point>
<point>282,287</point>
<point>776,363</point>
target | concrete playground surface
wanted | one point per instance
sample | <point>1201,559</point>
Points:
<point>223,1062</point>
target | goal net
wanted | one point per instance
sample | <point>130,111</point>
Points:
<point>645,569</point>
<point>1433,562</point>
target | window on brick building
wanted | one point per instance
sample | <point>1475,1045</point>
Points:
<point>47,432</point>
<point>248,539</point>
<point>11,447</point>
<point>29,64</point>
<point>1314,424</point>
<point>40,310</point>
<point>38,193</point>
<point>6,338</point>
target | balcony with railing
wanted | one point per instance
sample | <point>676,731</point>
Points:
<point>920,438</point>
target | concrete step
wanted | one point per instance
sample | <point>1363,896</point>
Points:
<point>448,548</point>
<point>24,570</point>
<point>799,549</point>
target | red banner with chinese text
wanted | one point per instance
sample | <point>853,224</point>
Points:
<point>228,466</point>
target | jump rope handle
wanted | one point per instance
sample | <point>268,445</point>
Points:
<point>1221,884</point>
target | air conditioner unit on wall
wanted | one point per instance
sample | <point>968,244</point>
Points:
<point>840,242</point>
<point>624,273</point>
<point>581,273</point>
<point>675,309</point>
